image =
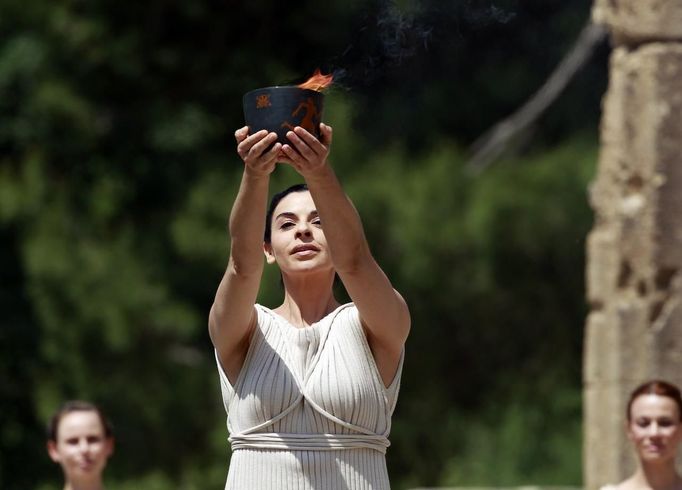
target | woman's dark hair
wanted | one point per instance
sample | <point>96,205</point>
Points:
<point>273,204</point>
<point>77,406</point>
<point>656,387</point>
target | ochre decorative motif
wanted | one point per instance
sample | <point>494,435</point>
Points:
<point>263,101</point>
<point>309,117</point>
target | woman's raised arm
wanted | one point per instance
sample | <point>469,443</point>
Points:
<point>232,315</point>
<point>383,311</point>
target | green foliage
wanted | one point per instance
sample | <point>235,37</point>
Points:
<point>522,440</point>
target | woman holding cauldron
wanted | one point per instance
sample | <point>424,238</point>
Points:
<point>654,426</point>
<point>309,386</point>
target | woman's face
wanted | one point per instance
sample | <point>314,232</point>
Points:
<point>655,427</point>
<point>297,242</point>
<point>82,448</point>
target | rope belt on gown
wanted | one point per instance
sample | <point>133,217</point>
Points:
<point>309,442</point>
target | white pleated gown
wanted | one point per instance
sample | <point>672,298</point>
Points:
<point>309,409</point>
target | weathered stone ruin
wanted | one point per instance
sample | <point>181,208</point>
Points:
<point>634,270</point>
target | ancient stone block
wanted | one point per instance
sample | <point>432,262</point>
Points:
<point>600,359</point>
<point>606,455</point>
<point>604,267</point>
<point>634,275</point>
<point>640,176</point>
<point>637,21</point>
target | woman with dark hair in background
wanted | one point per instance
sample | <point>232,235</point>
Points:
<point>80,439</point>
<point>654,426</point>
<point>310,386</point>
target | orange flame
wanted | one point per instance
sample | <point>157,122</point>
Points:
<point>318,81</point>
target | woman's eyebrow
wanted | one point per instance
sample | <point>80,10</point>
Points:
<point>286,214</point>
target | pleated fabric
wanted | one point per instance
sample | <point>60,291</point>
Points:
<point>309,409</point>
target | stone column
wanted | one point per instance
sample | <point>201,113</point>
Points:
<point>634,270</point>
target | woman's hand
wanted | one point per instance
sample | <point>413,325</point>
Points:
<point>253,149</point>
<point>306,153</point>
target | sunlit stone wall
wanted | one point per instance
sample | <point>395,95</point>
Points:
<point>634,270</point>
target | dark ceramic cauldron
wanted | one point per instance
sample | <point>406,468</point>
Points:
<point>280,109</point>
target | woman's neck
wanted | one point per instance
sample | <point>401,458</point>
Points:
<point>657,477</point>
<point>89,485</point>
<point>307,300</point>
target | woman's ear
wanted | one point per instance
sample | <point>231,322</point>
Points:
<point>269,256</point>
<point>111,444</point>
<point>52,451</point>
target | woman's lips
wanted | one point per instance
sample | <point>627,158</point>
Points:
<point>304,250</point>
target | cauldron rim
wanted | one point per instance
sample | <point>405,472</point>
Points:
<point>283,88</point>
